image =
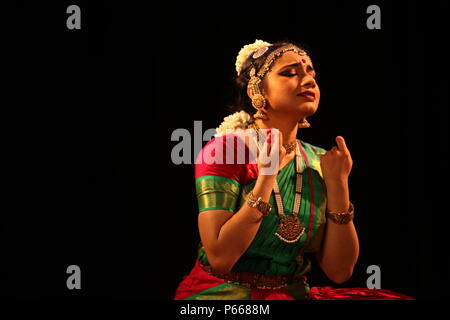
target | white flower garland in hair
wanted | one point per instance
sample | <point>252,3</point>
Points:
<point>246,51</point>
<point>241,119</point>
<point>233,122</point>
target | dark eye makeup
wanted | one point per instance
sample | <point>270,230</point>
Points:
<point>290,74</point>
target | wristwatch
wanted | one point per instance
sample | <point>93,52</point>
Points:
<point>342,217</point>
<point>258,203</point>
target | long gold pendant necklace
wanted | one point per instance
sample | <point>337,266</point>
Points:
<point>290,228</point>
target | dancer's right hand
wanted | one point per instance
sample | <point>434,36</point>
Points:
<point>271,153</point>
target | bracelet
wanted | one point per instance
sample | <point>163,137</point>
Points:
<point>342,217</point>
<point>258,203</point>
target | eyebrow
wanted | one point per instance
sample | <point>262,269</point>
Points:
<point>295,65</point>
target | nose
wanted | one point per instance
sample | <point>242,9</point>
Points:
<point>308,82</point>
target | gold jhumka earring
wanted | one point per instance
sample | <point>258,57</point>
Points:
<point>303,124</point>
<point>258,100</point>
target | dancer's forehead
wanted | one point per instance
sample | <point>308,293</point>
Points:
<point>291,59</point>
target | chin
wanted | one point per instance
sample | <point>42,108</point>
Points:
<point>308,108</point>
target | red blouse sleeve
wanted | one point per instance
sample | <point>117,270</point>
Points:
<point>228,157</point>
<point>222,168</point>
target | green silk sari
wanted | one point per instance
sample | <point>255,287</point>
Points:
<point>267,254</point>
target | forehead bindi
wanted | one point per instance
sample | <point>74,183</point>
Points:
<point>290,58</point>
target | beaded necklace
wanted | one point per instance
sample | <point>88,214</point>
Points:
<point>290,228</point>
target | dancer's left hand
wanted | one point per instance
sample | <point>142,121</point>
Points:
<point>336,164</point>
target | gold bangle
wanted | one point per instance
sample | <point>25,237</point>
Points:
<point>258,203</point>
<point>342,217</point>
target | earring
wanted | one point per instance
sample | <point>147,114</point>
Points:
<point>258,100</point>
<point>260,115</point>
<point>259,103</point>
<point>303,124</point>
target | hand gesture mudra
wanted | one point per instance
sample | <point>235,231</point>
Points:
<point>336,164</point>
<point>267,150</point>
<point>272,149</point>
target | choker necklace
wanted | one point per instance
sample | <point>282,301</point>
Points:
<point>289,147</point>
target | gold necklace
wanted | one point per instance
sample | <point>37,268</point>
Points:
<point>289,146</point>
<point>290,228</point>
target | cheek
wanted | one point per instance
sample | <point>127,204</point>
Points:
<point>280,96</point>
<point>281,89</point>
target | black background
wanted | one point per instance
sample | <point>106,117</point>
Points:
<point>88,124</point>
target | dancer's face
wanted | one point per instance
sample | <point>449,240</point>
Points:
<point>284,86</point>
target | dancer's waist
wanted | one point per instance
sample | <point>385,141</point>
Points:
<point>255,280</point>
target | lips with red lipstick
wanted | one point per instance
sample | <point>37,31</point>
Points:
<point>308,95</point>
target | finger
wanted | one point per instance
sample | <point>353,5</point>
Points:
<point>265,158</point>
<point>341,143</point>
<point>276,141</point>
<point>275,151</point>
<point>265,147</point>
<point>281,148</point>
<point>269,142</point>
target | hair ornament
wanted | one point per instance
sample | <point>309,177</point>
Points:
<point>260,52</point>
<point>248,50</point>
